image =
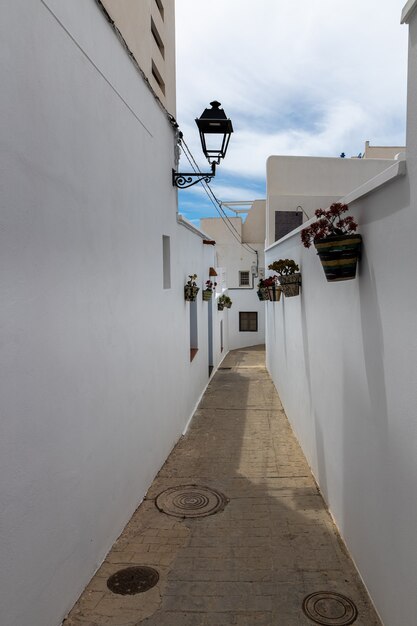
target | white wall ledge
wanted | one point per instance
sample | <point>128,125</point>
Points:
<point>184,222</point>
<point>407,11</point>
<point>394,171</point>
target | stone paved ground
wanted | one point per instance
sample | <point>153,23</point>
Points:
<point>251,564</point>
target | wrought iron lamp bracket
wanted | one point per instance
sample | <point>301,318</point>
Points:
<point>188,179</point>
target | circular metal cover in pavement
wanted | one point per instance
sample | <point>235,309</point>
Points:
<point>330,609</point>
<point>191,501</point>
<point>132,580</point>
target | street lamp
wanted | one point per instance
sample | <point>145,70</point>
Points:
<point>215,130</point>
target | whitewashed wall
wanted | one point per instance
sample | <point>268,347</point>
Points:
<point>343,357</point>
<point>245,300</point>
<point>236,258</point>
<point>96,380</point>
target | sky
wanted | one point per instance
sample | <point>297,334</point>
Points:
<point>296,77</point>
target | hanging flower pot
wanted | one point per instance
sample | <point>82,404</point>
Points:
<point>290,285</point>
<point>190,289</point>
<point>224,302</point>
<point>208,291</point>
<point>289,276</point>
<point>336,242</point>
<point>339,256</point>
<point>274,292</point>
<point>263,293</point>
<point>190,293</point>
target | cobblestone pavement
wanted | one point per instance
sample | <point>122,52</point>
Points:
<point>252,563</point>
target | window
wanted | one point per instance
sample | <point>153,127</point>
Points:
<point>160,7</point>
<point>157,38</point>
<point>166,261</point>
<point>248,321</point>
<point>286,221</point>
<point>243,279</point>
<point>157,76</point>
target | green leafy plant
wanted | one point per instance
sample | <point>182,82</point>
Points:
<point>224,301</point>
<point>284,267</point>
<point>191,282</point>
<point>289,276</point>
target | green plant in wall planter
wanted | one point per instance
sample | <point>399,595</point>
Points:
<point>224,302</point>
<point>288,275</point>
<point>208,290</point>
<point>190,288</point>
<point>336,241</point>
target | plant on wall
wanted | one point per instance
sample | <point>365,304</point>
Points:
<point>208,289</point>
<point>268,289</point>
<point>262,292</point>
<point>190,288</point>
<point>336,241</point>
<point>224,302</point>
<point>289,276</point>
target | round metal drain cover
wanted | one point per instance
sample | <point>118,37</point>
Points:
<point>132,580</point>
<point>330,609</point>
<point>191,501</point>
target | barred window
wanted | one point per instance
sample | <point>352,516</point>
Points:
<point>248,321</point>
<point>243,279</point>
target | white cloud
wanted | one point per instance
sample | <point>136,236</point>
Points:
<point>303,77</point>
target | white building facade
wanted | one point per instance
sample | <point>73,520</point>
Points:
<point>240,248</point>
<point>97,383</point>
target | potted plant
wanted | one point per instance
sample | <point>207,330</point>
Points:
<point>208,290</point>
<point>289,276</point>
<point>190,288</point>
<point>263,293</point>
<point>336,241</point>
<point>224,302</point>
<point>274,290</point>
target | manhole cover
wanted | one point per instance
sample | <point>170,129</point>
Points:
<point>132,580</point>
<point>330,609</point>
<point>191,501</point>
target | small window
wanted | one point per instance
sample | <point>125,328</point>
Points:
<point>244,279</point>
<point>221,336</point>
<point>166,261</point>
<point>248,321</point>
<point>160,7</point>
<point>157,76</point>
<point>193,330</point>
<point>157,38</point>
<point>286,221</point>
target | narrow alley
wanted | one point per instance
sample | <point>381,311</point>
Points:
<point>233,530</point>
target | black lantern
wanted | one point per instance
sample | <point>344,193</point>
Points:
<point>215,129</point>
<point>214,122</point>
